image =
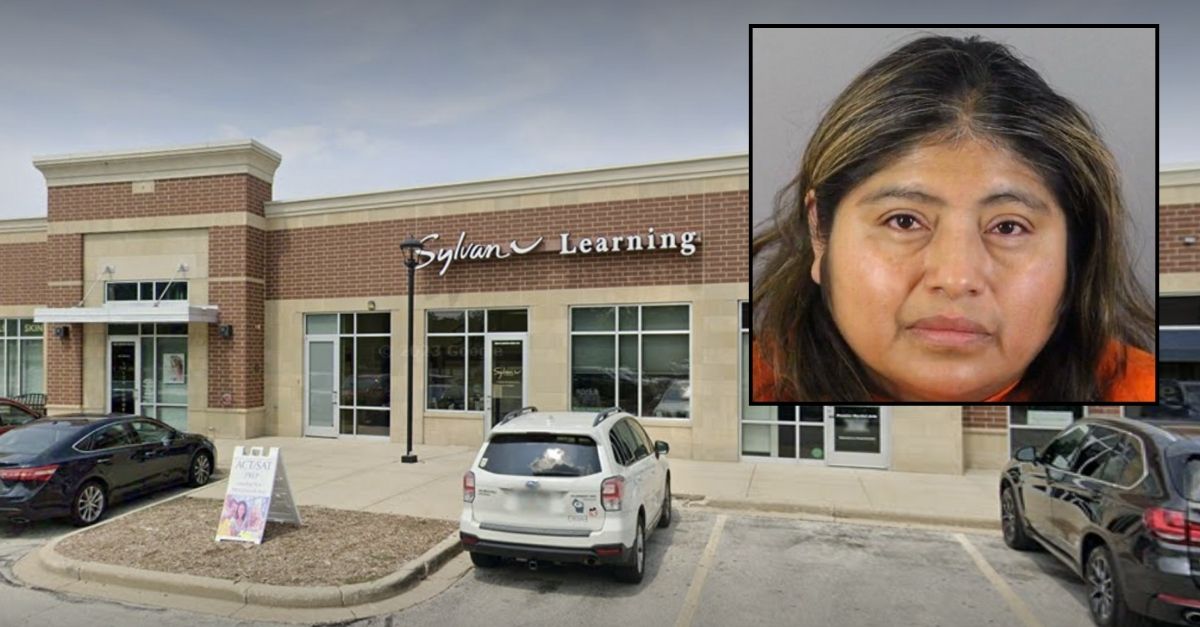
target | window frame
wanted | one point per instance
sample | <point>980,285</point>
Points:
<point>1095,434</point>
<point>15,343</point>
<point>137,288</point>
<point>635,453</point>
<point>91,439</point>
<point>616,333</point>
<point>165,428</point>
<point>340,337</point>
<point>1044,460</point>
<point>466,334</point>
<point>1084,412</point>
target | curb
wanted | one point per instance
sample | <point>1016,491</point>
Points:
<point>850,513</point>
<point>266,595</point>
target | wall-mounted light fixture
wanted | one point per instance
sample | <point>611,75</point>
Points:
<point>1189,240</point>
<point>225,330</point>
<point>62,332</point>
<point>370,305</point>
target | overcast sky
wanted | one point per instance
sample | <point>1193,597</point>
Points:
<point>366,95</point>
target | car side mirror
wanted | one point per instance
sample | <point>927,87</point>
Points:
<point>167,439</point>
<point>661,448</point>
<point>1026,454</point>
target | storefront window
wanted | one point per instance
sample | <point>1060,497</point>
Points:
<point>644,367</point>
<point>164,373</point>
<point>145,291</point>
<point>1037,425</point>
<point>454,343</point>
<point>358,347</point>
<point>22,367</point>
<point>749,412</point>
<point>366,367</point>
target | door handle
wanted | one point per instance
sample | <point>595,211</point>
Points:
<point>104,460</point>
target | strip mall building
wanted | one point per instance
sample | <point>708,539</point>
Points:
<point>170,283</point>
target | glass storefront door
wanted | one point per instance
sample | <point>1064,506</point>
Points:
<point>348,375</point>
<point>321,399</point>
<point>504,389</point>
<point>857,436</point>
<point>148,371</point>
<point>123,367</point>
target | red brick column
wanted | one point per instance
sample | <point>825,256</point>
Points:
<point>985,417</point>
<point>235,364</point>
<point>1176,222</point>
<point>64,357</point>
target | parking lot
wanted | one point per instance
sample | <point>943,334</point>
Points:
<point>709,568</point>
<point>778,571</point>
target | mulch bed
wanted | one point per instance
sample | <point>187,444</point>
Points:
<point>332,547</point>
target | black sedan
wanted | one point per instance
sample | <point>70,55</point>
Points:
<point>76,466</point>
<point>1118,501</point>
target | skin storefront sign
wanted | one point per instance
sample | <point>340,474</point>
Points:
<point>464,250</point>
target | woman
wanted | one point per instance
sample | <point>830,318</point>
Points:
<point>955,234</point>
<point>233,519</point>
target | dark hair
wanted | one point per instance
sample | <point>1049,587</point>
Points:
<point>935,89</point>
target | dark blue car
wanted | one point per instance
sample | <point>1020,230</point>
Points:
<point>76,466</point>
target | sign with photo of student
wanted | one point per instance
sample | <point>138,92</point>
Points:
<point>258,491</point>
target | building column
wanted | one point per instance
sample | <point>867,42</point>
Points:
<point>64,356</point>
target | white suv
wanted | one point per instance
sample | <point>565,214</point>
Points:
<point>566,487</point>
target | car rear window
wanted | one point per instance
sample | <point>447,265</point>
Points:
<point>30,440</point>
<point>541,455</point>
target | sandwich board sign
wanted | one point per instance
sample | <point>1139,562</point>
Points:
<point>258,491</point>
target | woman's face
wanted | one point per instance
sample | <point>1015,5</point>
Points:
<point>946,270</point>
<point>241,511</point>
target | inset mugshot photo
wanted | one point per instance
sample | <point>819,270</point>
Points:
<point>953,215</point>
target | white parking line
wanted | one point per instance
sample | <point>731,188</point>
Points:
<point>1014,602</point>
<point>688,611</point>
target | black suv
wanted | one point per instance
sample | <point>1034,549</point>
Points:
<point>1118,501</point>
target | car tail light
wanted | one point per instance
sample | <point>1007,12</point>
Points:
<point>40,473</point>
<point>613,550</point>
<point>468,539</point>
<point>1170,598</point>
<point>611,491</point>
<point>469,487</point>
<point>1171,525</point>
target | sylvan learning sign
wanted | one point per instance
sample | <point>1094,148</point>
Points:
<point>258,491</point>
<point>464,250</point>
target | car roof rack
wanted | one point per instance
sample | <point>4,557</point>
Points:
<point>602,416</point>
<point>516,412</point>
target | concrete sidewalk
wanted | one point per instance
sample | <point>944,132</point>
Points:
<point>368,476</point>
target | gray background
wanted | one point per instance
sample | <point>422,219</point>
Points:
<point>1109,72</point>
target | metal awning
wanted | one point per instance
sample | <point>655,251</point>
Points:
<point>164,311</point>
<point>1179,344</point>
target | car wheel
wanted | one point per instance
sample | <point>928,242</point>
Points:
<point>1106,600</point>
<point>200,470</point>
<point>664,518</point>
<point>89,504</point>
<point>1013,523</point>
<point>482,560</point>
<point>636,568</point>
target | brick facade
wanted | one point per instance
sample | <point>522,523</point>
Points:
<point>985,417</point>
<point>171,197</point>
<point>236,254</point>
<point>236,364</point>
<point>23,279</point>
<point>1174,223</point>
<point>64,356</point>
<point>365,259</point>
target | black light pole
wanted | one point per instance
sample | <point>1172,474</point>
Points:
<point>410,247</point>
